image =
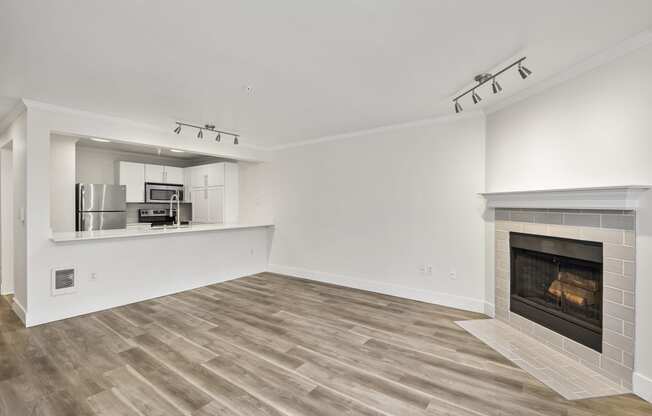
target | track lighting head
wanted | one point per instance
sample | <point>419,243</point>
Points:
<point>235,140</point>
<point>200,135</point>
<point>476,97</point>
<point>495,86</point>
<point>523,71</point>
<point>458,107</point>
<point>178,129</point>
<point>218,137</point>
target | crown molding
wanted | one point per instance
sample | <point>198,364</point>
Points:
<point>602,58</point>
<point>382,129</point>
<point>15,112</point>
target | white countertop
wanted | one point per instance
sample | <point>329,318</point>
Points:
<point>68,236</point>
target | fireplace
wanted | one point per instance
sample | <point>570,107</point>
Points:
<point>557,283</point>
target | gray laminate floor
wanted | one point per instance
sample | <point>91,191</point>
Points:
<point>270,345</point>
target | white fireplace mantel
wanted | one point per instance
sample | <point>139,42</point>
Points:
<point>608,197</point>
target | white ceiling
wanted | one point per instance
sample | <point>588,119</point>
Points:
<point>318,68</point>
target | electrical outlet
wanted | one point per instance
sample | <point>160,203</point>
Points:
<point>93,276</point>
<point>452,274</point>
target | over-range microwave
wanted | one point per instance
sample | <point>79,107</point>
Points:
<point>162,192</point>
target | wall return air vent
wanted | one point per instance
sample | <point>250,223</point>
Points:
<point>63,280</point>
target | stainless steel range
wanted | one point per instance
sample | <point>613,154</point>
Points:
<point>158,216</point>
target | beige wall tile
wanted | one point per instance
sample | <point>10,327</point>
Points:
<point>509,226</point>
<point>564,231</point>
<point>618,281</point>
<point>629,238</point>
<point>619,311</point>
<point>613,295</point>
<point>613,266</point>
<point>619,341</point>
<point>629,268</point>
<point>616,368</point>
<point>628,360</point>
<point>601,235</point>
<point>628,299</point>
<point>619,252</point>
<point>612,324</point>
<point>612,353</point>
<point>628,329</point>
<point>502,235</point>
<point>540,229</point>
<point>584,353</point>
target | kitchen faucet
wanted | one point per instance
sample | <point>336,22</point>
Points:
<point>178,208</point>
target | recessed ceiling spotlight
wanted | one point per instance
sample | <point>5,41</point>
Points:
<point>218,137</point>
<point>200,135</point>
<point>235,140</point>
<point>177,151</point>
<point>249,89</point>
<point>458,107</point>
<point>97,139</point>
<point>178,129</point>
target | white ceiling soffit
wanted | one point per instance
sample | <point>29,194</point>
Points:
<point>318,69</point>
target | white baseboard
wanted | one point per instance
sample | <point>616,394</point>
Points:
<point>438,298</point>
<point>19,310</point>
<point>490,309</point>
<point>643,387</point>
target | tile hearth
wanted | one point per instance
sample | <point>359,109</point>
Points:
<point>567,377</point>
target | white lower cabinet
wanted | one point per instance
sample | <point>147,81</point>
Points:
<point>208,205</point>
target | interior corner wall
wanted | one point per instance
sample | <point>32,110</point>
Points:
<point>370,211</point>
<point>17,134</point>
<point>593,130</point>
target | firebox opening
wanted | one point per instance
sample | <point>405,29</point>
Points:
<point>557,283</point>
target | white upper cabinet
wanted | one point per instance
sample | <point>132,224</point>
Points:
<point>174,175</point>
<point>132,175</point>
<point>207,175</point>
<point>214,192</point>
<point>155,173</point>
<point>164,174</point>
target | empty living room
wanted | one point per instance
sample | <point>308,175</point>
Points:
<point>325,208</point>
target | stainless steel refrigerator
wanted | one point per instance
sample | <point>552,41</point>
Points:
<point>101,207</point>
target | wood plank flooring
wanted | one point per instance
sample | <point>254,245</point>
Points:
<point>270,345</point>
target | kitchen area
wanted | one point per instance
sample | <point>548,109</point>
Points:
<point>127,189</point>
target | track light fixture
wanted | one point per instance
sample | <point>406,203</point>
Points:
<point>495,86</point>
<point>476,97</point>
<point>209,128</point>
<point>523,71</point>
<point>482,79</point>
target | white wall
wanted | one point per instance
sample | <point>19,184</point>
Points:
<point>368,211</point>
<point>62,183</point>
<point>15,131</point>
<point>6,222</point>
<point>593,130</point>
<point>163,264</point>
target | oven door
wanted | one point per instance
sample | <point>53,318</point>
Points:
<point>155,192</point>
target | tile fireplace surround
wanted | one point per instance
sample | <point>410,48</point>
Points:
<point>616,230</point>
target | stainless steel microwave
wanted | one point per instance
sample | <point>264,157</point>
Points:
<point>162,192</point>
